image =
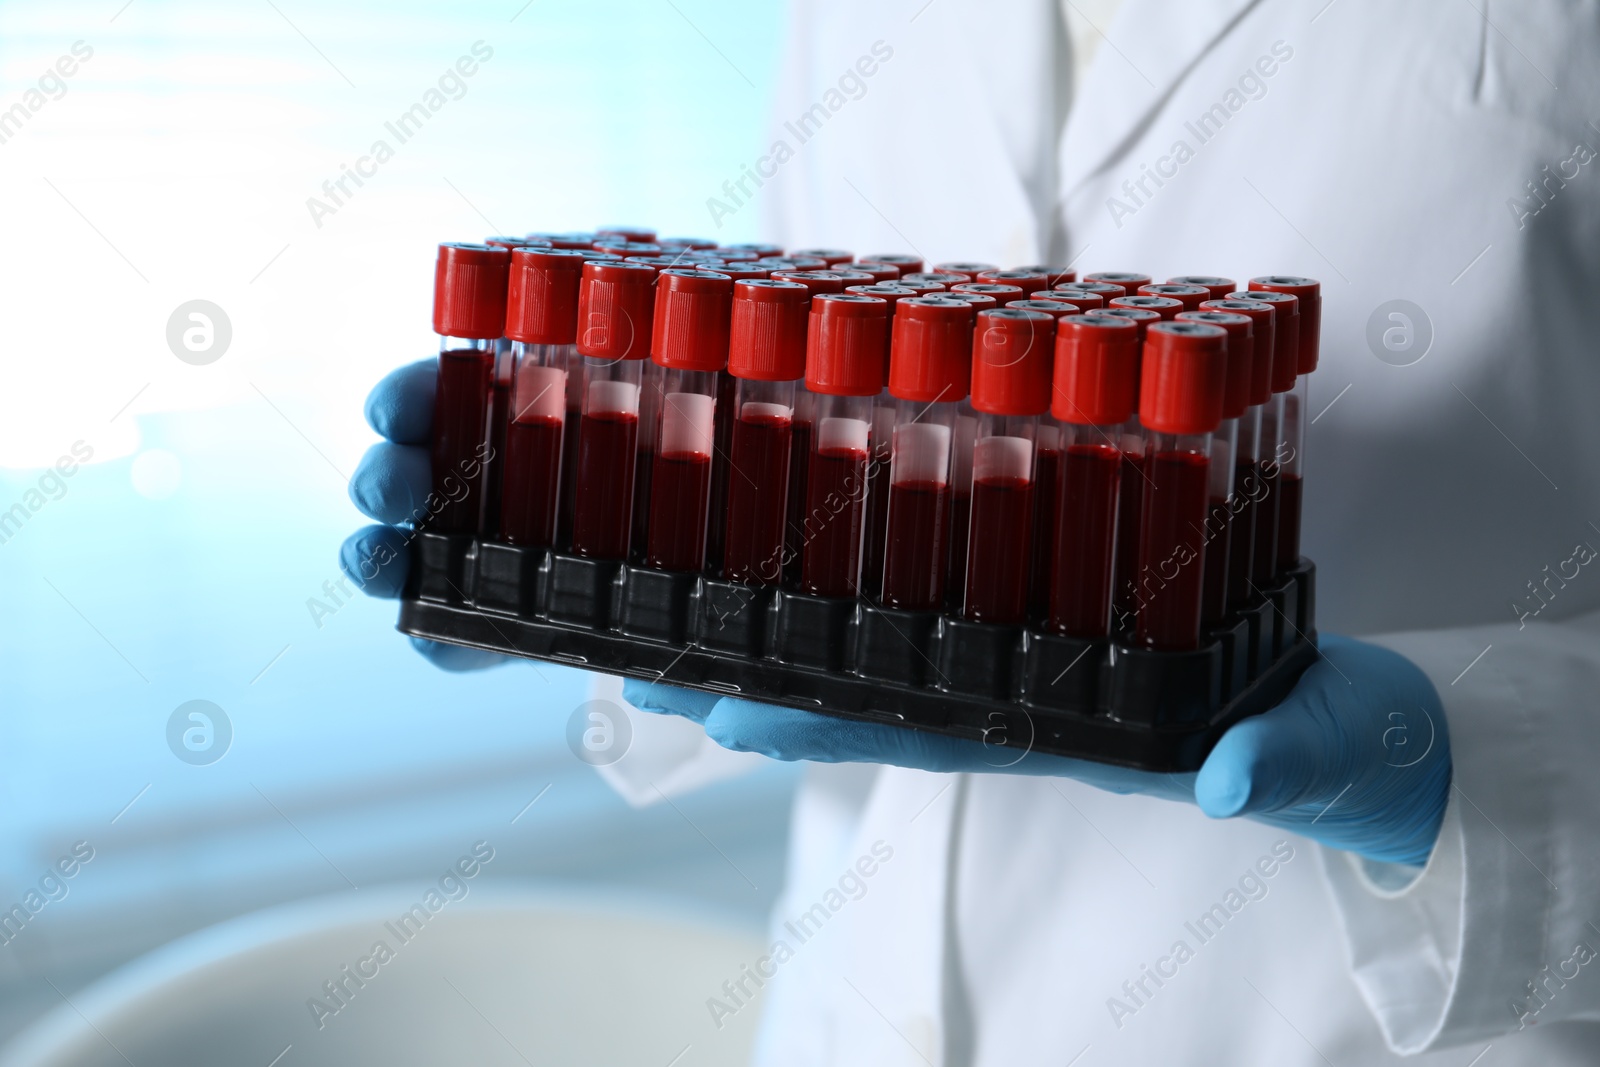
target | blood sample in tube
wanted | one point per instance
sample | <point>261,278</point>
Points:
<point>1190,296</point>
<point>469,315</point>
<point>1309,294</point>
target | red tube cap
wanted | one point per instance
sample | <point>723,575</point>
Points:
<point>888,291</point>
<point>693,309</point>
<point>767,336</point>
<point>1140,317</point>
<point>756,248</point>
<point>1217,287</point>
<point>817,281</point>
<point>933,277</point>
<point>1262,338</point>
<point>1054,276</point>
<point>727,255</point>
<point>1129,280</point>
<point>1165,306</point>
<point>616,309</point>
<point>1001,292</point>
<point>1080,300</point>
<point>908,264</point>
<point>1189,296</point>
<point>830,256</point>
<point>627,248</point>
<point>777,263</point>
<point>739,272</point>
<point>1096,380</point>
<point>844,344</point>
<point>931,354</point>
<point>979,301</point>
<point>1013,353</point>
<point>881,272</point>
<point>1286,334</point>
<point>639,234</point>
<point>542,296</point>
<point>1029,280</point>
<point>1105,290</point>
<point>1309,292</point>
<point>702,243</point>
<point>517,242</point>
<point>469,290</point>
<point>573,240</point>
<point>968,271</point>
<point>1241,355</point>
<point>1184,378</point>
<point>1056,309</point>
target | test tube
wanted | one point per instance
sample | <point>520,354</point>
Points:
<point>542,323</point>
<point>1029,279</point>
<point>1106,291</point>
<point>844,372</point>
<point>766,357</point>
<point>929,372</point>
<point>469,315</point>
<point>1054,276</point>
<point>964,436</point>
<point>882,273</point>
<point>908,264</point>
<point>1221,592</point>
<point>831,256</point>
<point>777,263</point>
<point>628,249</point>
<point>689,346</point>
<point>1046,469</point>
<point>757,249</point>
<point>968,271</point>
<point>616,309</point>
<point>999,291</point>
<point>1131,447</point>
<point>1181,389</point>
<point>639,234</point>
<point>1013,351</point>
<point>1129,280</point>
<point>882,431</point>
<point>1278,462</point>
<point>703,244</point>
<point>1190,296</point>
<point>1248,486</point>
<point>1309,293</point>
<point>1078,300</point>
<point>576,241</point>
<point>933,277</point>
<point>1095,387</point>
<point>1218,288</point>
<point>1166,307</point>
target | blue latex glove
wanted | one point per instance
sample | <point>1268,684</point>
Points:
<point>1356,757</point>
<point>391,485</point>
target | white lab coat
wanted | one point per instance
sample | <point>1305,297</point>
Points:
<point>1019,920</point>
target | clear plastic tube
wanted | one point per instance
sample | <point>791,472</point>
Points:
<point>1130,498</point>
<point>1000,534</point>
<point>836,491</point>
<point>608,433</point>
<point>917,536</point>
<point>462,445</point>
<point>1218,530</point>
<point>1264,553</point>
<point>1089,488</point>
<point>1247,489</point>
<point>758,481</point>
<point>680,481</point>
<point>1291,458</point>
<point>1046,487</point>
<point>965,435</point>
<point>1171,543</point>
<point>535,431</point>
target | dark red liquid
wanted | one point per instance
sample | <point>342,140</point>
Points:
<point>758,493</point>
<point>499,415</point>
<point>1129,505</point>
<point>915,546</point>
<point>1046,476</point>
<point>679,491</point>
<point>831,524</point>
<point>721,472</point>
<point>644,469</point>
<point>956,560</point>
<point>460,434</point>
<point>794,523</point>
<point>1000,550</point>
<point>1289,487</point>
<point>601,510</point>
<point>1264,556</point>
<point>1214,590</point>
<point>877,524</point>
<point>569,476</point>
<point>1172,551</point>
<point>1086,540</point>
<point>530,480</point>
<point>1242,535</point>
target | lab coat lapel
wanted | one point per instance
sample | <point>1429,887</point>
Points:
<point>1149,50</point>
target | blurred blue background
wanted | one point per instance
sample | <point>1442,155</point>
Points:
<point>178,562</point>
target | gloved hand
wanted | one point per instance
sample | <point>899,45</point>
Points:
<point>1356,757</point>
<point>391,485</point>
